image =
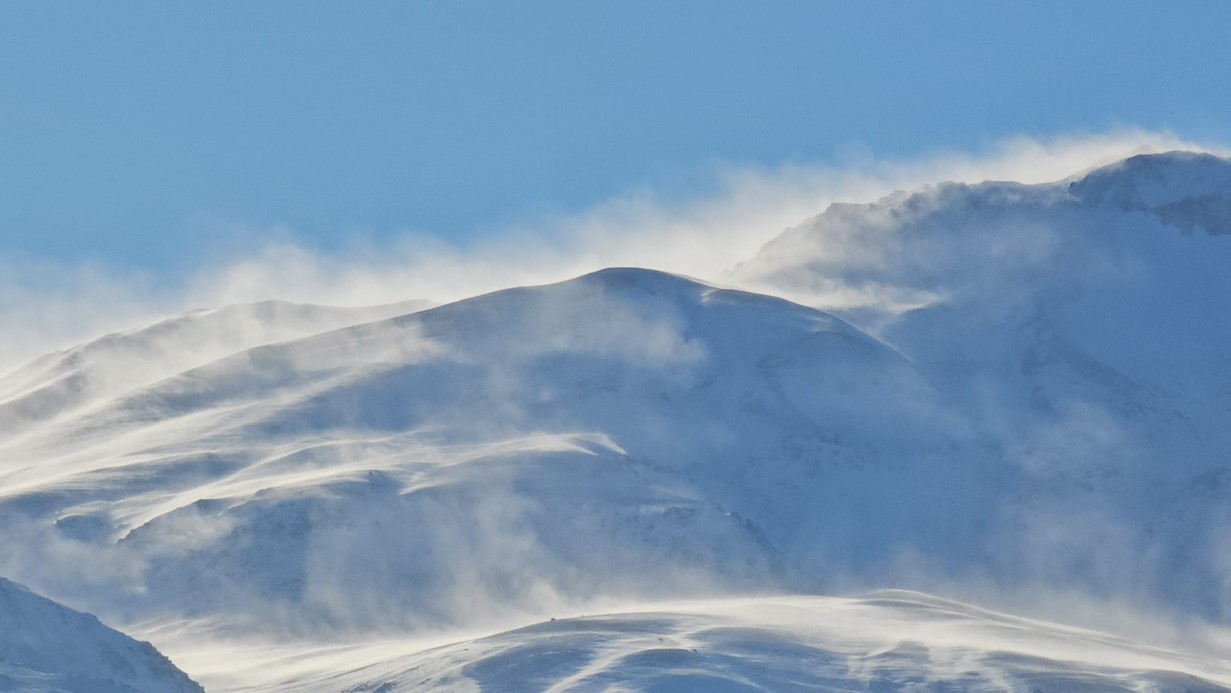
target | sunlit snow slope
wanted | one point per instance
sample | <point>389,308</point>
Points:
<point>883,641</point>
<point>1023,387</point>
<point>519,449</point>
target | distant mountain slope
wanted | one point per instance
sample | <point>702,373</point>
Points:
<point>1082,328</point>
<point>46,647</point>
<point>883,641</point>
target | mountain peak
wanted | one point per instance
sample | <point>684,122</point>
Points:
<point>1190,190</point>
<point>1162,163</point>
<point>649,280</point>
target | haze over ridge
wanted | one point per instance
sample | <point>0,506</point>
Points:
<point>701,235</point>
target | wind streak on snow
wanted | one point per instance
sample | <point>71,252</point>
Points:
<point>891,639</point>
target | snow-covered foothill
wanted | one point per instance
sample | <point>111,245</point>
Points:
<point>540,444</point>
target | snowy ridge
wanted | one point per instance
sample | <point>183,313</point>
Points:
<point>48,647</point>
<point>1081,328</point>
<point>291,465</point>
<point>999,384</point>
<point>115,363</point>
<point>1189,190</point>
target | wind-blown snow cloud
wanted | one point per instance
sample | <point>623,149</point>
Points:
<point>45,306</point>
<point>1053,543</point>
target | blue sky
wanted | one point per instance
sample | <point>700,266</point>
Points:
<point>127,130</point>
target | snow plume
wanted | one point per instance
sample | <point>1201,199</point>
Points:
<point>475,435</point>
<point>45,306</point>
<point>701,236</point>
<point>33,552</point>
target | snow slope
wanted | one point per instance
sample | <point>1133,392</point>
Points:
<point>1017,386</point>
<point>889,640</point>
<point>48,647</point>
<point>1081,329</point>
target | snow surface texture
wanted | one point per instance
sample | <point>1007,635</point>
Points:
<point>883,641</point>
<point>48,647</point>
<point>1022,386</point>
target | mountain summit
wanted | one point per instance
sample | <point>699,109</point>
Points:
<point>1080,326</point>
<point>999,384</point>
<point>1188,190</point>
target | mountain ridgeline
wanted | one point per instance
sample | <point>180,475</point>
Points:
<point>1021,385</point>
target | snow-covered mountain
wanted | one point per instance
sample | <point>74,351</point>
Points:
<point>544,443</point>
<point>45,646</point>
<point>1081,328</point>
<point>889,640</point>
<point>1018,386</point>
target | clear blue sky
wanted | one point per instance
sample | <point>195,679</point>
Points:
<point>121,123</point>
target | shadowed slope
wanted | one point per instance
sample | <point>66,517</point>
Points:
<point>64,381</point>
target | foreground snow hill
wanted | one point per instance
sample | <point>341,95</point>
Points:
<point>883,641</point>
<point>46,647</point>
